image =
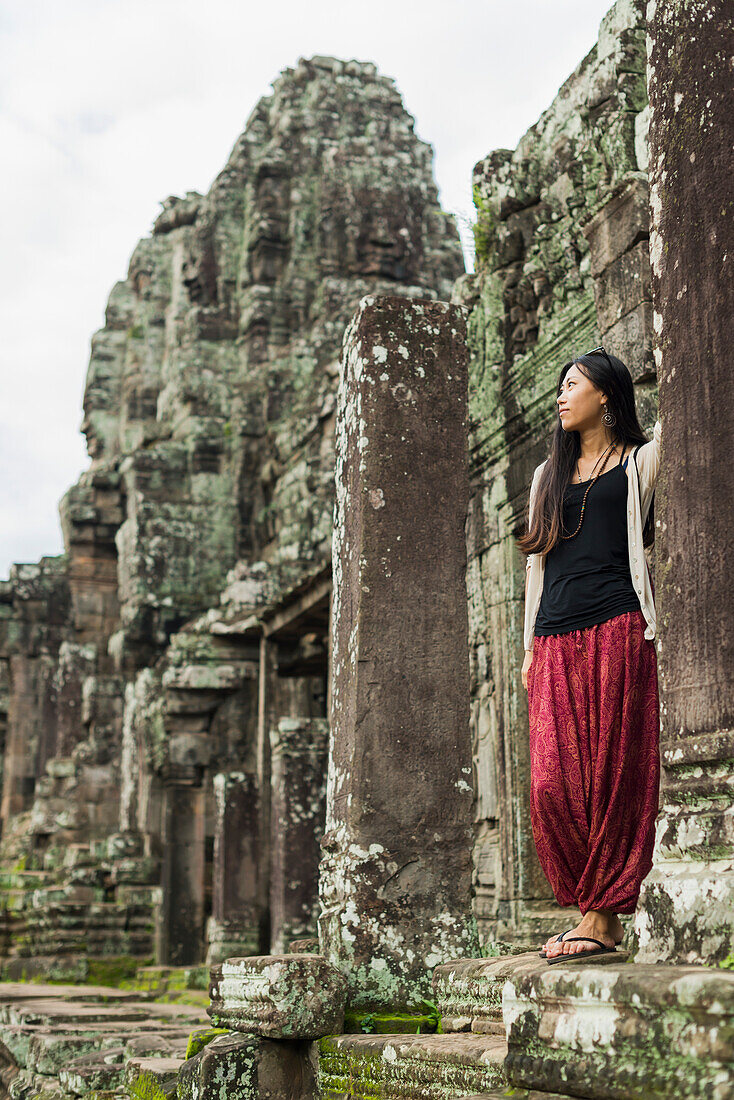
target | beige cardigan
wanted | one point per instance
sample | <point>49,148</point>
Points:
<point>648,464</point>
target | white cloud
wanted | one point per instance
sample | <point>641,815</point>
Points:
<point>109,106</point>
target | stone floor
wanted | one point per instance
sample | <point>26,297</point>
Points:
<point>66,1041</point>
<point>610,1029</point>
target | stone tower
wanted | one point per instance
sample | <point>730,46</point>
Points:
<point>208,413</point>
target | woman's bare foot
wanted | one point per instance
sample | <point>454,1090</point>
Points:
<point>600,924</point>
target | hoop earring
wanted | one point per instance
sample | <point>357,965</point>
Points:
<point>608,419</point>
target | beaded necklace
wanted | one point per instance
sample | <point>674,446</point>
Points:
<point>606,456</point>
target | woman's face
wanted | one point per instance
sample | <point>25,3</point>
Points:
<point>580,403</point>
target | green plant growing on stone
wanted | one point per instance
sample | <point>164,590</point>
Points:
<point>147,1088</point>
<point>484,229</point>
<point>433,1021</point>
<point>727,963</point>
<point>367,1023</point>
<point>200,1038</point>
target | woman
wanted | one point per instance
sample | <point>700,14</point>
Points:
<point>590,665</point>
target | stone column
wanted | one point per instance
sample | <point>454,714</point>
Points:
<point>395,880</point>
<point>265,707</point>
<point>686,909</point>
<point>235,924</point>
<point>182,927</point>
<point>298,801</point>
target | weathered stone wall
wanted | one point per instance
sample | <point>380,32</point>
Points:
<point>552,278</point>
<point>686,908</point>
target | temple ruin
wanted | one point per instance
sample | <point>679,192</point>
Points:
<point>265,769</point>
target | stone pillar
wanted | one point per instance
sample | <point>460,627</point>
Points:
<point>265,707</point>
<point>182,927</point>
<point>395,879</point>
<point>298,802</point>
<point>688,901</point>
<point>235,924</point>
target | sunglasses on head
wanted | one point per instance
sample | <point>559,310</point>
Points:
<point>594,351</point>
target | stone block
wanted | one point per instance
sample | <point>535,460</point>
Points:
<point>278,996</point>
<point>229,939</point>
<point>93,1072</point>
<point>402,1066</point>
<point>685,910</point>
<point>630,339</point>
<point>162,1072</point>
<point>307,946</point>
<point>203,678</point>
<point>619,224</point>
<point>60,768</point>
<point>623,285</point>
<point>622,1032</point>
<point>468,992</point>
<point>243,1067</point>
<point>193,749</point>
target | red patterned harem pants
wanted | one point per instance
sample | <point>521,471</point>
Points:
<point>594,761</point>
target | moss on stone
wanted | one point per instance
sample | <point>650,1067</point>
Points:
<point>113,971</point>
<point>146,1088</point>
<point>199,1038</point>
<point>391,1023</point>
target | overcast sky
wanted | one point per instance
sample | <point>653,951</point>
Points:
<point>109,106</point>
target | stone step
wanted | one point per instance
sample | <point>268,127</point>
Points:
<point>25,991</point>
<point>513,1094</point>
<point>657,1031</point>
<point>159,1071</point>
<point>106,1068</point>
<point>50,1049</point>
<point>100,1070</point>
<point>47,1049</point>
<point>19,968</point>
<point>398,1067</point>
<point>61,1014</point>
<point>468,992</point>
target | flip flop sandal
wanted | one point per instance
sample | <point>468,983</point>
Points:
<point>559,939</point>
<point>602,949</point>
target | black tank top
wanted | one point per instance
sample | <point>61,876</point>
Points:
<point>587,578</point>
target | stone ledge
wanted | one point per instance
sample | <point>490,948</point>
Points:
<point>513,1094</point>
<point>399,1067</point>
<point>468,992</point>
<point>620,1033</point>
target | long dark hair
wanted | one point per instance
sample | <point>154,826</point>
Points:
<point>615,381</point>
